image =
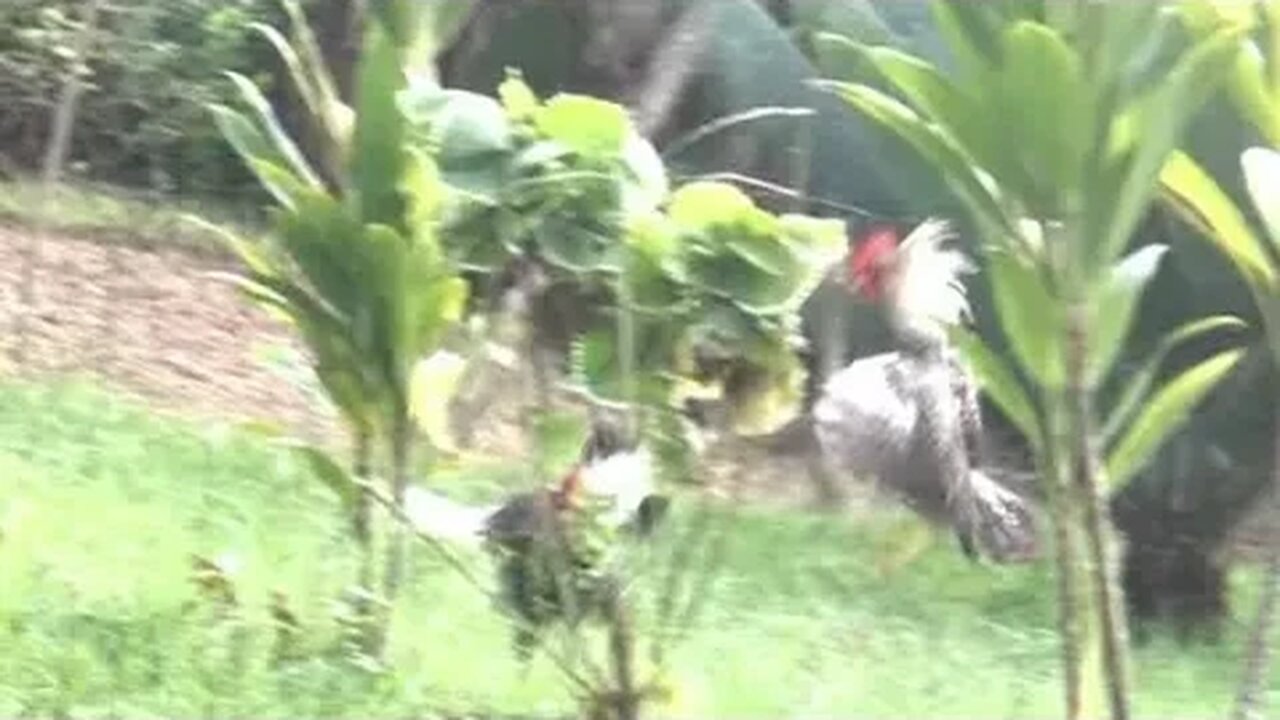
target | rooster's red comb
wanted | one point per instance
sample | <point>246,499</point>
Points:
<point>877,243</point>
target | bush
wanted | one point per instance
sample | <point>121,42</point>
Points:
<point>151,69</point>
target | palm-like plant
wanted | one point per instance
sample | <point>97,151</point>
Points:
<point>1253,84</point>
<point>1056,177</point>
<point>353,259</point>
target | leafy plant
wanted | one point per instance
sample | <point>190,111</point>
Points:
<point>1253,84</point>
<point>353,260</point>
<point>1056,177</point>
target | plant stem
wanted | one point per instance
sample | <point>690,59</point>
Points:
<point>1065,558</point>
<point>625,700</point>
<point>1096,527</point>
<point>401,450</point>
<point>361,521</point>
<point>1249,700</point>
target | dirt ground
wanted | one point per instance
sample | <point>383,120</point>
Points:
<point>160,325</point>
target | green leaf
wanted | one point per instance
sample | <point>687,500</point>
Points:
<point>252,145</point>
<point>1140,384</point>
<point>998,381</point>
<point>702,205</point>
<point>329,116</point>
<point>285,149</point>
<point>576,243</point>
<point>1030,317</point>
<point>1052,124</point>
<point>1262,178</point>
<point>649,187</point>
<point>1167,410</point>
<point>1164,114</point>
<point>972,39</point>
<point>962,117</point>
<point>1114,303</point>
<point>589,126</point>
<point>328,471</point>
<point>379,160</point>
<point>1202,202</point>
<point>254,255</point>
<point>966,181</point>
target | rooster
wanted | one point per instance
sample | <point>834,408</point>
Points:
<point>536,539</point>
<point>909,419</point>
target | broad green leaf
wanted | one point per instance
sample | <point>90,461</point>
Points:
<point>329,116</point>
<point>1030,317</point>
<point>966,181</point>
<point>285,148</point>
<point>468,125</point>
<point>331,473</point>
<point>588,125</point>
<point>251,144</point>
<point>701,205</point>
<point>1140,384</point>
<point>1050,120</point>
<point>973,42</point>
<point>434,384</point>
<point>649,187</point>
<point>286,187</point>
<point>959,115</point>
<point>518,99</point>
<point>256,257</point>
<point>1114,302</point>
<point>1199,199</point>
<point>322,238</point>
<point>1165,113</point>
<point>1262,178</point>
<point>1167,410</point>
<point>998,381</point>
<point>379,160</point>
<point>576,243</point>
<point>818,243</point>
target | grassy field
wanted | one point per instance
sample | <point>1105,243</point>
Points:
<point>102,504</point>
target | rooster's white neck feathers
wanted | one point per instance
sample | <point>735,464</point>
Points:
<point>927,295</point>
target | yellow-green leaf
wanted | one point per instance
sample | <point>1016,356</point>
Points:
<point>1114,304</point>
<point>432,388</point>
<point>1168,409</point>
<point>1201,201</point>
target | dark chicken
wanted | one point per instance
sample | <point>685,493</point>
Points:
<point>547,571</point>
<point>909,419</point>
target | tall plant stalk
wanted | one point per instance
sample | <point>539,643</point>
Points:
<point>1086,471</point>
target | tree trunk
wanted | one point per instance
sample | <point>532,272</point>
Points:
<point>64,113</point>
<point>55,157</point>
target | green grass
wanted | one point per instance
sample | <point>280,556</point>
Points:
<point>110,214</point>
<point>101,505</point>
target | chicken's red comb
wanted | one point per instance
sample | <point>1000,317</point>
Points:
<point>877,242</point>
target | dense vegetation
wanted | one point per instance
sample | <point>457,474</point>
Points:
<point>402,209</point>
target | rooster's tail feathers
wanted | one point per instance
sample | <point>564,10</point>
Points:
<point>999,519</point>
<point>443,519</point>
